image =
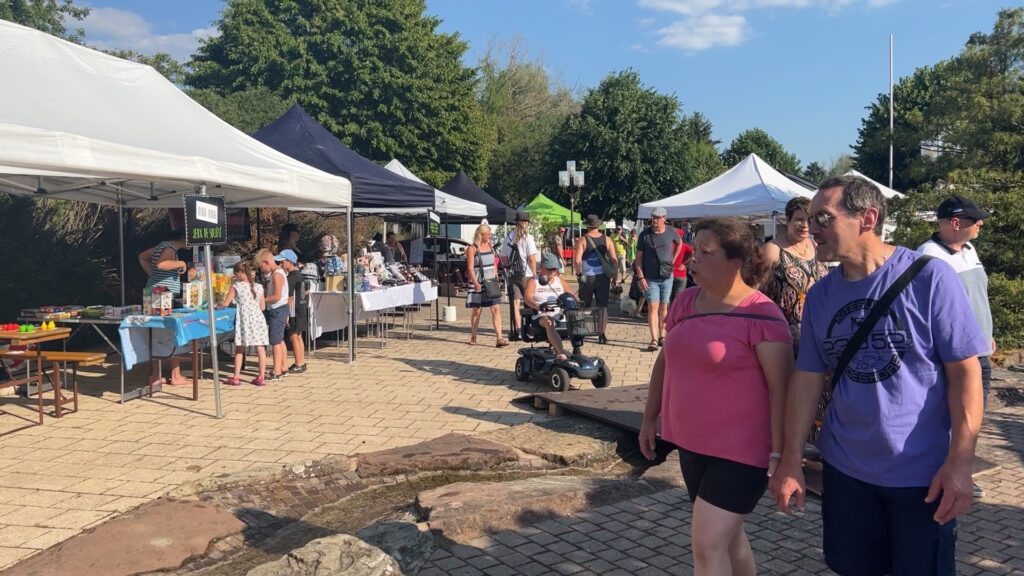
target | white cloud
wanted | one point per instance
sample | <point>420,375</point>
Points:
<point>703,32</point>
<point>112,28</point>
<point>640,48</point>
<point>583,5</point>
<point>710,23</point>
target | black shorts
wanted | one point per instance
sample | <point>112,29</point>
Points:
<point>594,288</point>
<point>725,484</point>
<point>296,324</point>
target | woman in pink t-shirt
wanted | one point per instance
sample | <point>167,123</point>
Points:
<point>719,385</point>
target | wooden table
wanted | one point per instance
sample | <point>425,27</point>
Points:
<point>34,338</point>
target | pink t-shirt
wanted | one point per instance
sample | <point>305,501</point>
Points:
<point>715,398</point>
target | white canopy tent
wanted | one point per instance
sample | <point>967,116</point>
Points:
<point>443,203</point>
<point>886,191</point>
<point>82,125</point>
<point>78,124</point>
<point>750,188</point>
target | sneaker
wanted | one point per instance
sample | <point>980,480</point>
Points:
<point>296,369</point>
<point>259,382</point>
<point>979,492</point>
<point>276,377</point>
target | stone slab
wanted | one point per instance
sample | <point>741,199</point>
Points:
<point>338,555</point>
<point>466,510</point>
<point>566,441</point>
<point>158,536</point>
<point>448,452</point>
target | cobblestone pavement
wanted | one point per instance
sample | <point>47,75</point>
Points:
<point>76,472</point>
<point>650,535</point>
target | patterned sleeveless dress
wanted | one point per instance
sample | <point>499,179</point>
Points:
<point>790,280</point>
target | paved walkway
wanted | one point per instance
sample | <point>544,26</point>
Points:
<point>73,473</point>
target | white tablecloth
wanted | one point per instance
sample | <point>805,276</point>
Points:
<point>328,311</point>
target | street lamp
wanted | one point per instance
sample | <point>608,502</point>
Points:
<point>569,179</point>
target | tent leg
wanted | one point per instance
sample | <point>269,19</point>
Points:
<point>351,287</point>
<point>212,317</point>
<point>120,243</point>
<point>448,261</point>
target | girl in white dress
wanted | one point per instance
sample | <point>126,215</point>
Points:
<point>250,325</point>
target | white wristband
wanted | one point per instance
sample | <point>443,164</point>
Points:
<point>775,456</point>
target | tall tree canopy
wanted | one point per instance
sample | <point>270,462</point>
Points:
<point>376,73</point>
<point>524,110</point>
<point>50,16</point>
<point>757,141</point>
<point>968,111</point>
<point>628,139</point>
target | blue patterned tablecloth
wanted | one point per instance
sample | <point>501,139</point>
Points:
<point>170,334</point>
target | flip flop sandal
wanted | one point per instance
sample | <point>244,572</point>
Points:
<point>501,343</point>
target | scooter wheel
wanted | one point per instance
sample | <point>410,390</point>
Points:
<point>603,378</point>
<point>522,369</point>
<point>559,379</point>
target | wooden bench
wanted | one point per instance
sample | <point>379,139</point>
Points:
<point>75,359</point>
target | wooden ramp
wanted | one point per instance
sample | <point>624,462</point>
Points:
<point>623,407</point>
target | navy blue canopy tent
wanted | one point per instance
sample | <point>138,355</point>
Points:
<point>375,189</point>
<point>463,187</point>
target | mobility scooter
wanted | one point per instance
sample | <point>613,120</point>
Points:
<point>573,324</point>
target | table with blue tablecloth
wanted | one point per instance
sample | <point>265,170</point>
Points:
<point>145,337</point>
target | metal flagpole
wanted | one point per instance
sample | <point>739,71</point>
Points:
<point>891,108</point>
<point>211,315</point>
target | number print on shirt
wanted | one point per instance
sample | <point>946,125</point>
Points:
<point>881,355</point>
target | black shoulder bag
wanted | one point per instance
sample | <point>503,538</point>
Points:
<point>877,311</point>
<point>664,267</point>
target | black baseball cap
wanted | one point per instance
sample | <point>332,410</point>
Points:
<point>960,207</point>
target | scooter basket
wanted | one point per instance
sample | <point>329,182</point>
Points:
<point>586,322</point>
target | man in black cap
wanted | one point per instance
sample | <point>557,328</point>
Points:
<point>596,264</point>
<point>960,221</point>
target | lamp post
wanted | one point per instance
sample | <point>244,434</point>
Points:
<point>569,179</point>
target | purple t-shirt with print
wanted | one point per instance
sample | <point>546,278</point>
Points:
<point>888,423</point>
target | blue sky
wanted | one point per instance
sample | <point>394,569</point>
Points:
<point>801,69</point>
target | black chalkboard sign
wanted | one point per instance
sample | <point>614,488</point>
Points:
<point>205,220</point>
<point>433,224</point>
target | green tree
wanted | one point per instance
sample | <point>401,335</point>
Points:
<point>162,62</point>
<point>376,73</point>
<point>814,173</point>
<point>50,16</point>
<point>248,110</point>
<point>967,111</point>
<point>627,138</point>
<point>757,141</point>
<point>524,110</point>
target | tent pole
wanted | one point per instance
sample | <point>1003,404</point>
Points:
<point>448,261</point>
<point>259,240</point>
<point>120,243</point>
<point>212,317</point>
<point>351,287</point>
<point>775,224</point>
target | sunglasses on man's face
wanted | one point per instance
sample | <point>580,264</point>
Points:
<point>824,219</point>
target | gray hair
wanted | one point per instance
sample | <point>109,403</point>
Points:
<point>858,195</point>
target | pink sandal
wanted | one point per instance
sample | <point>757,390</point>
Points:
<point>233,381</point>
<point>260,381</point>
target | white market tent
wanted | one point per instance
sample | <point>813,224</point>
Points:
<point>81,125</point>
<point>750,188</point>
<point>444,203</point>
<point>886,191</point>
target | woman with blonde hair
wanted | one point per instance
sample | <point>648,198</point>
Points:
<point>520,255</point>
<point>482,269</point>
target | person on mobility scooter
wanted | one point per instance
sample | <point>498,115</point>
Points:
<point>551,314</point>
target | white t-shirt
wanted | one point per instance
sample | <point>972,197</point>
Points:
<point>283,301</point>
<point>527,248</point>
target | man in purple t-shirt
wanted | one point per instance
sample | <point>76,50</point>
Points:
<point>899,434</point>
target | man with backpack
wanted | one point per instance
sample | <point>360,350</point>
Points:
<point>520,254</point>
<point>897,333</point>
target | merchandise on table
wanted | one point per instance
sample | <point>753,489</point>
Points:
<point>192,295</point>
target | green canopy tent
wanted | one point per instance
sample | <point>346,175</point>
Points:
<point>548,210</point>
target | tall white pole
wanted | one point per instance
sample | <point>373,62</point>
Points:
<point>891,108</point>
<point>211,315</point>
